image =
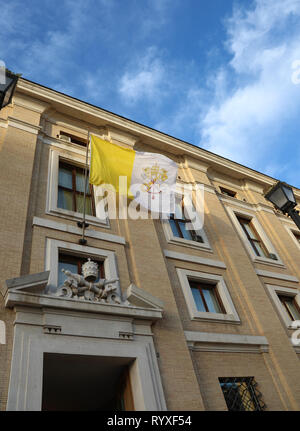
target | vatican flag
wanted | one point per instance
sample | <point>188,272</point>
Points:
<point>151,177</point>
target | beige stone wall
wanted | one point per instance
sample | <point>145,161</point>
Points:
<point>190,379</point>
<point>211,366</point>
<point>16,167</point>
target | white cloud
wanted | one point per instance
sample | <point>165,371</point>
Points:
<point>243,121</point>
<point>144,79</point>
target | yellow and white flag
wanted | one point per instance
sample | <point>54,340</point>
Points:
<point>151,177</point>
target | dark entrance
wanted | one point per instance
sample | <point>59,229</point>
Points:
<point>86,383</point>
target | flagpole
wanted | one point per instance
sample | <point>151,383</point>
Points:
<point>83,224</point>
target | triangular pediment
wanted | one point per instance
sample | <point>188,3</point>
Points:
<point>31,290</point>
<point>33,283</point>
<point>140,298</point>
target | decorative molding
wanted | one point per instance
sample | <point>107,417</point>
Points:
<point>236,202</point>
<point>141,298</point>
<point>226,343</point>
<point>53,247</point>
<point>45,324</point>
<point>254,187</point>
<point>193,163</point>
<point>194,259</point>
<point>63,227</point>
<point>90,113</point>
<point>121,136</point>
<point>30,291</point>
<point>34,105</point>
<point>3,123</point>
<point>62,145</point>
<point>84,286</point>
<point>31,282</point>
<point>22,125</point>
<point>276,275</point>
<point>217,176</point>
<point>208,188</point>
<point>246,205</point>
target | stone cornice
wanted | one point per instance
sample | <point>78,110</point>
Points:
<point>23,125</point>
<point>212,342</point>
<point>101,117</point>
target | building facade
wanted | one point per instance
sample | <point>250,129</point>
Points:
<point>194,319</point>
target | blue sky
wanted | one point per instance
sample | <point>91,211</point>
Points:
<point>217,73</point>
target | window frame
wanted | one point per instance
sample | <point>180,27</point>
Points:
<point>294,233</point>
<point>229,316</point>
<point>54,247</point>
<point>283,300</point>
<point>73,169</point>
<point>256,239</point>
<point>275,291</point>
<point>200,286</point>
<point>172,239</point>
<point>227,192</point>
<point>234,213</point>
<point>55,156</point>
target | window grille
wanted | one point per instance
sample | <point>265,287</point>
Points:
<point>241,394</point>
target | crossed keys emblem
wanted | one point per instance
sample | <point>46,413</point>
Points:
<point>154,177</point>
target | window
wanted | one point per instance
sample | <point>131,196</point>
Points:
<point>297,236</point>
<point>287,303</point>
<point>206,297</point>
<point>178,222</point>
<point>241,394</point>
<point>57,250</point>
<point>74,139</point>
<point>65,189</point>
<point>71,180</point>
<point>253,238</point>
<point>290,306</point>
<point>228,192</point>
<point>74,264</point>
<point>294,234</point>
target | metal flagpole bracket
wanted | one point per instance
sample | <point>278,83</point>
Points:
<point>82,223</point>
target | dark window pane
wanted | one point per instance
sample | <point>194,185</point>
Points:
<point>290,307</point>
<point>174,228</point>
<point>185,233</point>
<point>261,251</point>
<point>67,266</point>
<point>79,203</point>
<point>88,205</point>
<point>65,177</point>
<point>65,199</point>
<point>293,309</point>
<point>80,181</point>
<point>73,179</point>
<point>198,300</point>
<point>211,301</point>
